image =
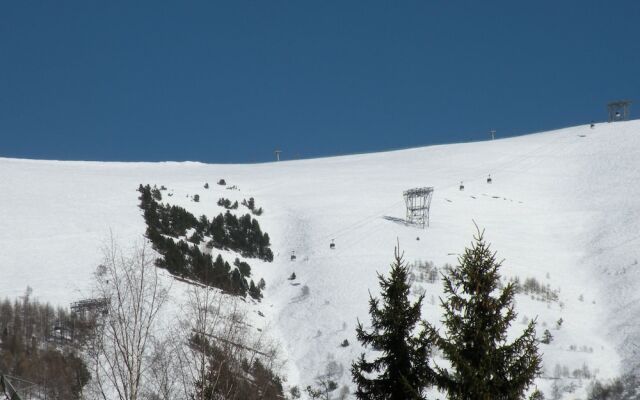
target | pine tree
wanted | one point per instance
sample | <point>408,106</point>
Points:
<point>477,314</point>
<point>401,372</point>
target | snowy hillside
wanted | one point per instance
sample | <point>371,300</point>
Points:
<point>563,208</point>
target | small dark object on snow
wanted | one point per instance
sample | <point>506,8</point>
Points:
<point>344,343</point>
<point>461,186</point>
<point>206,185</point>
<point>292,277</point>
<point>418,238</point>
<point>293,256</point>
<point>332,245</point>
<point>222,182</point>
<point>489,180</point>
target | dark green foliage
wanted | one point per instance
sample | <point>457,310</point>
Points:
<point>226,203</point>
<point>238,284</point>
<point>262,284</point>
<point>546,337</point>
<point>477,314</point>
<point>254,291</point>
<point>174,254</point>
<point>536,395</point>
<point>196,237</point>
<point>175,220</point>
<point>345,343</point>
<point>196,198</point>
<point>166,224</point>
<point>164,219</point>
<point>155,193</point>
<point>251,205</point>
<point>217,231</point>
<point>401,370</point>
<point>243,267</point>
<point>240,234</point>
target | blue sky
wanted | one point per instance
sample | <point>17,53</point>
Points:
<point>231,81</point>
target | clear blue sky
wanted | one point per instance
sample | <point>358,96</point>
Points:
<point>231,81</point>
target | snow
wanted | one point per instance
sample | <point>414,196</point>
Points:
<point>564,208</point>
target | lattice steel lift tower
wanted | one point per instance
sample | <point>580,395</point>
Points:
<point>619,110</point>
<point>418,201</point>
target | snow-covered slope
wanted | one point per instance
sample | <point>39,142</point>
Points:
<point>564,208</point>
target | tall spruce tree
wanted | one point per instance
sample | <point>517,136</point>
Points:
<point>401,372</point>
<point>477,314</point>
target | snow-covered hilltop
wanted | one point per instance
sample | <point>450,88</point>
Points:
<point>563,209</point>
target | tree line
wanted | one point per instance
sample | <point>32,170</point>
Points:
<point>226,231</point>
<point>167,223</point>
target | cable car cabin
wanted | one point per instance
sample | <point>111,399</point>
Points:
<point>489,180</point>
<point>332,245</point>
<point>293,256</point>
<point>461,186</point>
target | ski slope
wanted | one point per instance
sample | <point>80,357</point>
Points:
<point>564,208</point>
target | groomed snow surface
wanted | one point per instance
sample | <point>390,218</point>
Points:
<point>563,208</point>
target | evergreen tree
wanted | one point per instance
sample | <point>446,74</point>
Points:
<point>254,291</point>
<point>401,372</point>
<point>477,314</point>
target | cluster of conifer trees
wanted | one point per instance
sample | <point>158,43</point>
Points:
<point>226,203</point>
<point>481,363</point>
<point>167,223</point>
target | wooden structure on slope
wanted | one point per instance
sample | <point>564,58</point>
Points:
<point>89,306</point>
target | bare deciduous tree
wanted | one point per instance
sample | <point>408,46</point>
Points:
<point>122,347</point>
<point>202,313</point>
<point>217,341</point>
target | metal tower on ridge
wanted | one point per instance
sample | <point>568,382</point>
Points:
<point>418,201</point>
<point>619,110</point>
